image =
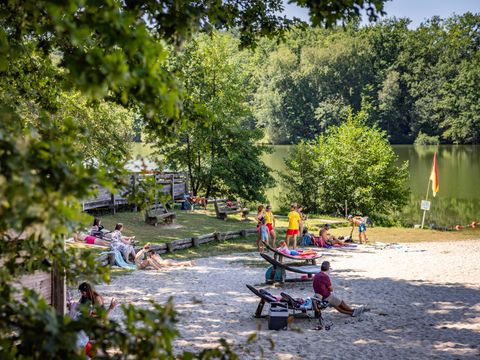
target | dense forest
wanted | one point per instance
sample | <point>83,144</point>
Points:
<point>419,85</point>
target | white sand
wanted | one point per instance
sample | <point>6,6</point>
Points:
<point>424,304</point>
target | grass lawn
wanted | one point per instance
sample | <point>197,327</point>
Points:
<point>187,224</point>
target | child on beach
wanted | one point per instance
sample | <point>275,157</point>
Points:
<point>294,224</point>
<point>259,219</point>
<point>264,235</point>
<point>283,248</point>
<point>271,224</point>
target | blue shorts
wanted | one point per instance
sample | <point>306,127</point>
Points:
<point>362,228</point>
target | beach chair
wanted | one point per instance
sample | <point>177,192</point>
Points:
<point>265,297</point>
<point>298,308</point>
<point>308,270</point>
<point>277,255</point>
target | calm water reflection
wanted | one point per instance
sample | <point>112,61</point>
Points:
<point>458,199</point>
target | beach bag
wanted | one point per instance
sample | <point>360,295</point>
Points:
<point>278,274</point>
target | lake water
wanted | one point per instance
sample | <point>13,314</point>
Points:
<point>458,198</point>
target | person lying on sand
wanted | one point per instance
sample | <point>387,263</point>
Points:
<point>323,288</point>
<point>147,258</point>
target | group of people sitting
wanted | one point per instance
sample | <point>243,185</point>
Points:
<point>145,259</point>
<point>324,238</point>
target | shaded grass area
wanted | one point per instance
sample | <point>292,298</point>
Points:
<point>187,224</point>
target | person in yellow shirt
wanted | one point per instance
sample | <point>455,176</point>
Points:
<point>294,223</point>
<point>271,224</point>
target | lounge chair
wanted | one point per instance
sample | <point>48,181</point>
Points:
<point>296,307</point>
<point>277,255</point>
<point>265,297</point>
<point>308,270</point>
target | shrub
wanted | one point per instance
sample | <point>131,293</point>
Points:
<point>352,162</point>
<point>424,139</point>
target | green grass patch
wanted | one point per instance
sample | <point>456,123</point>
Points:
<point>187,224</point>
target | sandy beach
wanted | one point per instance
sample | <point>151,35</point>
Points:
<point>424,302</point>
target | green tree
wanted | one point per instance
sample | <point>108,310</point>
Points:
<point>219,152</point>
<point>114,51</point>
<point>352,162</point>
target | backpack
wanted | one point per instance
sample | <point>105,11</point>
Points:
<point>278,274</point>
<point>306,240</point>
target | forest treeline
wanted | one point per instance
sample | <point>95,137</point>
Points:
<point>419,85</point>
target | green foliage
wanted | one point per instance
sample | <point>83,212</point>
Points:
<point>424,139</point>
<point>424,80</point>
<point>300,181</point>
<point>219,150</point>
<point>59,333</point>
<point>147,191</point>
<point>352,162</point>
<point>65,67</point>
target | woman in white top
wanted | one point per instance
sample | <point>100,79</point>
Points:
<point>122,243</point>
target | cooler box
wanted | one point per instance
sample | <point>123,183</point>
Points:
<point>277,317</point>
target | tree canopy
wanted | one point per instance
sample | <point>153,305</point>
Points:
<point>352,163</point>
<point>65,67</point>
<point>412,82</point>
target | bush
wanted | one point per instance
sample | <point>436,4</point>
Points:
<point>424,139</point>
<point>352,162</point>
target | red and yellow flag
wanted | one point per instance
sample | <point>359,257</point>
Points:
<point>434,175</point>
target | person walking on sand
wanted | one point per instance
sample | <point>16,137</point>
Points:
<point>322,286</point>
<point>271,224</point>
<point>294,223</point>
<point>259,219</point>
<point>362,227</point>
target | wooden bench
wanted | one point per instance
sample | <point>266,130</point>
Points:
<point>159,213</point>
<point>222,210</point>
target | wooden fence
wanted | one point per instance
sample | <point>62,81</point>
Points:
<point>173,183</point>
<point>186,243</point>
<point>50,285</point>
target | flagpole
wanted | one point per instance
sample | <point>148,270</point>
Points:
<point>426,199</point>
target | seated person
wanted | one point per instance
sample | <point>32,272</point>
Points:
<point>322,286</point>
<point>307,238</point>
<point>97,228</point>
<point>122,243</point>
<point>283,248</point>
<point>147,258</point>
<point>90,240</point>
<point>329,239</point>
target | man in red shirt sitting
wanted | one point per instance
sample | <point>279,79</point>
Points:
<point>323,287</point>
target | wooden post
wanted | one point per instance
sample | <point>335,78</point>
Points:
<point>195,242</point>
<point>426,199</point>
<point>172,190</point>
<point>112,197</point>
<point>134,188</point>
<point>59,293</point>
